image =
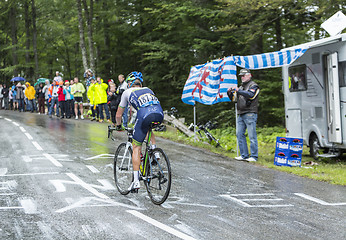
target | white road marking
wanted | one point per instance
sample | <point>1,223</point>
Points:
<point>37,146</point>
<point>59,185</point>
<point>3,171</point>
<point>236,200</point>
<point>53,160</point>
<point>101,203</point>
<point>92,169</point>
<point>7,119</point>
<point>316,200</point>
<point>104,155</point>
<point>244,204</point>
<point>252,194</point>
<point>29,206</point>
<point>7,208</point>
<point>160,225</point>
<point>261,199</point>
<point>16,124</point>
<point>106,185</point>
<point>29,136</point>
<point>27,159</point>
<point>22,129</point>
<point>29,174</point>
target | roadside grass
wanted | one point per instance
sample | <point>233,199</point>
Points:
<point>331,170</point>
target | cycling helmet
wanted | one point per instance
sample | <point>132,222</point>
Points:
<point>133,76</point>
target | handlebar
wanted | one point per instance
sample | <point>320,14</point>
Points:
<point>111,129</point>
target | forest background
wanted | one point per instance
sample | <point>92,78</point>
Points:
<point>160,38</point>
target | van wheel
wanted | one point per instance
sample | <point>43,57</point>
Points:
<point>315,147</point>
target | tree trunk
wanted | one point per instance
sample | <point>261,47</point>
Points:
<point>28,72</point>
<point>34,37</point>
<point>81,35</point>
<point>278,32</point>
<point>89,17</point>
<point>68,59</point>
<point>12,19</point>
<point>107,41</point>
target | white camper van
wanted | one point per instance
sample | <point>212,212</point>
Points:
<point>315,97</point>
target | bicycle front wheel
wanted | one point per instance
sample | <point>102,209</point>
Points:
<point>158,176</point>
<point>123,170</point>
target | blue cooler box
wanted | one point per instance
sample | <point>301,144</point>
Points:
<point>288,151</point>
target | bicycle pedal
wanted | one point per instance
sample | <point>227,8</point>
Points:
<point>135,190</point>
<point>163,181</point>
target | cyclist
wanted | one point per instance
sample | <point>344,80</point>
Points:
<point>149,110</point>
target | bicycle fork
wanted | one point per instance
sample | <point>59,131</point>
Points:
<point>128,145</point>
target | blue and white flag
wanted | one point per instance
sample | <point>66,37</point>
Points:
<point>208,83</point>
<point>269,60</point>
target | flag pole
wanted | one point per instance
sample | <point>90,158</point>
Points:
<point>194,121</point>
<point>236,127</point>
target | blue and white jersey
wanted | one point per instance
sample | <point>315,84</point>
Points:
<point>138,98</point>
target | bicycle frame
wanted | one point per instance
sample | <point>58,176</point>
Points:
<point>147,153</point>
<point>207,134</point>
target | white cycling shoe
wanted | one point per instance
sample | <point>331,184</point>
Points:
<point>135,185</point>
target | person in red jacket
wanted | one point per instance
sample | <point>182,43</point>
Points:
<point>61,99</point>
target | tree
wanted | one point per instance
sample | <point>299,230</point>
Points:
<point>89,18</point>
<point>34,37</point>
<point>13,25</point>
<point>81,35</point>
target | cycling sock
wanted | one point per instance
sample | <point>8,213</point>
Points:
<point>135,175</point>
<point>153,146</point>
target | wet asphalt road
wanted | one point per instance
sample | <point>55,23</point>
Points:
<point>57,183</point>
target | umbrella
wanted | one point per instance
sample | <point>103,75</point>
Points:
<point>41,80</point>
<point>17,79</point>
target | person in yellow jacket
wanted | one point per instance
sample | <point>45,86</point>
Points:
<point>77,90</point>
<point>100,98</point>
<point>91,97</point>
<point>30,93</point>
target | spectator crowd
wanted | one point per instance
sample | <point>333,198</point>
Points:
<point>68,98</point>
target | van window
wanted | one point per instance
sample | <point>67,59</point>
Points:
<point>297,78</point>
<point>342,74</point>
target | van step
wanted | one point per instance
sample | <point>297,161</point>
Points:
<point>327,155</point>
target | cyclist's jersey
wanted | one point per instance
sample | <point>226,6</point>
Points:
<point>138,98</point>
<point>148,110</point>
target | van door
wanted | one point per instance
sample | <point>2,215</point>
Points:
<point>294,123</point>
<point>333,99</point>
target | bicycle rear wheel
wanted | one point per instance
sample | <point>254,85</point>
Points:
<point>158,176</point>
<point>123,170</point>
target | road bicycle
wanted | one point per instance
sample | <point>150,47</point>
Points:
<point>202,130</point>
<point>155,169</point>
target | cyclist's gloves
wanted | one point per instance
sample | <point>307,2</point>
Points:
<point>118,128</point>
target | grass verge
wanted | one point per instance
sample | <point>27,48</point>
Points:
<point>332,170</point>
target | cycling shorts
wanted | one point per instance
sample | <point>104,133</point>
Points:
<point>78,100</point>
<point>146,116</point>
